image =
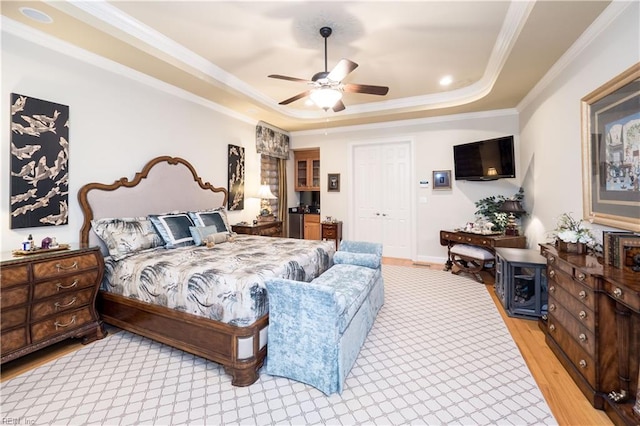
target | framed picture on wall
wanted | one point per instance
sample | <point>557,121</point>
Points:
<point>611,152</point>
<point>333,182</point>
<point>441,179</point>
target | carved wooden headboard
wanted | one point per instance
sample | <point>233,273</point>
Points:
<point>165,184</point>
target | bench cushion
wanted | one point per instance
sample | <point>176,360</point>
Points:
<point>351,284</point>
<point>473,252</point>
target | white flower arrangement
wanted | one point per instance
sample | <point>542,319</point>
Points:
<point>572,230</point>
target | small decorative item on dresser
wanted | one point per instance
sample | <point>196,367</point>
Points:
<point>571,235</point>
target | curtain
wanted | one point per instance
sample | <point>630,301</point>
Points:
<point>282,190</point>
<point>271,141</point>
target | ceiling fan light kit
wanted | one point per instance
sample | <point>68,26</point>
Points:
<point>327,87</point>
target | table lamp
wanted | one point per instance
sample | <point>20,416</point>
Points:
<point>265,194</point>
<point>512,207</point>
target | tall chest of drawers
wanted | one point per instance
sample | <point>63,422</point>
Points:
<point>47,298</point>
<point>593,327</point>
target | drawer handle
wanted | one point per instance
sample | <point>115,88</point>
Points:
<point>552,327</point>
<point>552,289</point>
<point>62,267</point>
<point>617,292</point>
<point>551,259</point>
<point>581,276</point>
<point>582,294</point>
<point>582,337</point>
<point>552,307</point>
<point>582,315</point>
<point>59,305</point>
<point>469,239</point>
<point>583,363</point>
<point>552,273</point>
<point>73,321</point>
<point>60,286</point>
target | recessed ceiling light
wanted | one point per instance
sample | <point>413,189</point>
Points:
<point>36,15</point>
<point>446,80</point>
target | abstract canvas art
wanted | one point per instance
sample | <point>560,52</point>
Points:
<point>236,178</point>
<point>39,162</point>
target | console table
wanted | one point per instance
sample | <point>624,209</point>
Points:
<point>489,242</point>
<point>593,327</point>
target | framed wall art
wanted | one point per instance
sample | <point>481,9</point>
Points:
<point>611,152</point>
<point>39,177</point>
<point>235,176</point>
<point>441,179</point>
<point>333,182</point>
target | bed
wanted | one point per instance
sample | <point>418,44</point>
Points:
<point>206,297</point>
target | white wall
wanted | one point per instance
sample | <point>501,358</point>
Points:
<point>116,126</point>
<point>432,141</point>
<point>550,121</point>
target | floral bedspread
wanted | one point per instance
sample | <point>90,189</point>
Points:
<point>225,282</point>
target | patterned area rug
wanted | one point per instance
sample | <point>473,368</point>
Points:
<point>439,353</point>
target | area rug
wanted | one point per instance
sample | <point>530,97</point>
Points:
<point>439,353</point>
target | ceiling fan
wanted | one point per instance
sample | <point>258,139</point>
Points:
<point>327,87</point>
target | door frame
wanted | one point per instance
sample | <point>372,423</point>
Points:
<point>412,178</point>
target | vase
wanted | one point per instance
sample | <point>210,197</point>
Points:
<point>578,248</point>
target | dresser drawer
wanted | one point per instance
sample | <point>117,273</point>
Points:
<point>13,275</point>
<point>60,324</point>
<point>14,296</point>
<point>624,295</point>
<point>65,284</point>
<point>64,266</point>
<point>13,340</point>
<point>270,232</point>
<point>13,317</point>
<point>329,232</point>
<point>581,292</point>
<point>582,361</point>
<point>559,297</point>
<point>579,333</point>
<point>554,262</point>
<point>63,303</point>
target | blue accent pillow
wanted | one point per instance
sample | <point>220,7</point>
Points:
<point>174,229</point>
<point>215,218</point>
<point>369,260</point>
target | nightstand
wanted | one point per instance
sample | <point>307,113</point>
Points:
<point>49,297</point>
<point>265,229</point>
<point>332,231</point>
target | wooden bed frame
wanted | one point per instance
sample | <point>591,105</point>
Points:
<point>169,184</point>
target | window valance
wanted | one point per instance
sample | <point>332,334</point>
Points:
<point>271,141</point>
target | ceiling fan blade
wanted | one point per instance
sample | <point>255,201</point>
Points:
<point>339,106</point>
<point>284,77</point>
<point>341,70</point>
<point>365,88</point>
<point>296,97</point>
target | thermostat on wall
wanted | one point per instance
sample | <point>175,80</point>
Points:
<point>424,184</point>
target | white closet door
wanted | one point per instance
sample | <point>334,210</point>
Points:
<point>382,185</point>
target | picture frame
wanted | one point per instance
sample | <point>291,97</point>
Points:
<point>610,152</point>
<point>441,179</point>
<point>333,182</point>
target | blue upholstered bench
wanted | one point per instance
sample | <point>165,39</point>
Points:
<point>316,329</point>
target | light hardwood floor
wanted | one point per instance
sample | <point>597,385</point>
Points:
<point>567,403</point>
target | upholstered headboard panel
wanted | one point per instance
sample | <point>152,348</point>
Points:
<point>165,184</point>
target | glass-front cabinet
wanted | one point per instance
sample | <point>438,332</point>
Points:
<point>307,170</point>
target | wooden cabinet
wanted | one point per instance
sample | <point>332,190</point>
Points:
<point>46,298</point>
<point>489,242</point>
<point>593,327</point>
<point>265,229</point>
<point>332,231</point>
<point>312,227</point>
<point>307,170</point>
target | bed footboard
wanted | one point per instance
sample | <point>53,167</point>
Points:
<point>241,350</point>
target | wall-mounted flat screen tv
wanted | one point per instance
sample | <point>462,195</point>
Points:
<point>488,159</point>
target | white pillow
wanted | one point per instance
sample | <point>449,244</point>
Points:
<point>125,236</point>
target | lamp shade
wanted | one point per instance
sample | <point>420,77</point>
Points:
<point>325,97</point>
<point>265,193</point>
<point>511,206</point>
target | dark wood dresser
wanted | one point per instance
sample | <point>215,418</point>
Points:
<point>593,327</point>
<point>49,297</point>
<point>332,231</point>
<point>265,229</point>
